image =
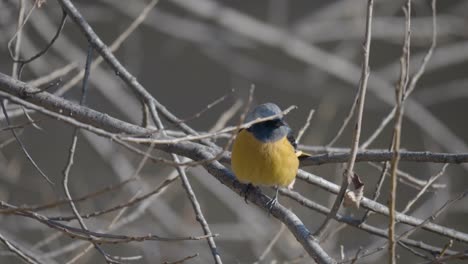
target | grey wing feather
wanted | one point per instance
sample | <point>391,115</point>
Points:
<point>292,139</point>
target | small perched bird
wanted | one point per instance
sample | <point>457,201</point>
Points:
<point>265,153</point>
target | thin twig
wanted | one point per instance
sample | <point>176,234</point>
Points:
<point>306,125</point>
<point>198,212</point>
<point>66,172</point>
<point>180,261</point>
<point>460,256</point>
<point>206,135</point>
<point>414,79</point>
<point>137,199</point>
<point>271,244</point>
<point>66,201</point>
<point>7,142</point>
<point>378,187</point>
<point>356,256</point>
<point>22,146</point>
<point>18,251</point>
<point>423,190</point>
<point>226,116</point>
<point>409,179</point>
<point>22,62</point>
<point>206,108</point>
<point>57,74</point>
<point>357,129</point>
<point>447,246</point>
<point>15,54</point>
<point>218,156</point>
<point>345,121</point>
<point>399,92</point>
<point>436,214</point>
<point>23,125</point>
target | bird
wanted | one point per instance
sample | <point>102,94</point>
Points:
<point>265,154</point>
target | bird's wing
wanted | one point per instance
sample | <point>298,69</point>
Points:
<point>292,139</point>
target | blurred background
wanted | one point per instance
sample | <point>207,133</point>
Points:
<point>188,54</point>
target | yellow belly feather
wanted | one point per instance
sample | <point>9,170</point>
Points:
<point>269,164</point>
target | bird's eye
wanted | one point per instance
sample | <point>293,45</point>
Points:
<point>275,123</point>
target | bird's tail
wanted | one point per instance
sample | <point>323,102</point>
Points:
<point>302,155</point>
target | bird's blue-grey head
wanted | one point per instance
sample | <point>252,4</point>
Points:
<point>271,130</point>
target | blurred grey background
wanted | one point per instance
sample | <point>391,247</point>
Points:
<point>306,53</point>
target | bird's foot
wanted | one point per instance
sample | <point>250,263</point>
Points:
<point>270,204</point>
<point>246,191</point>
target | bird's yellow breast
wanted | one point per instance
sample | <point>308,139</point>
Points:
<point>260,163</point>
